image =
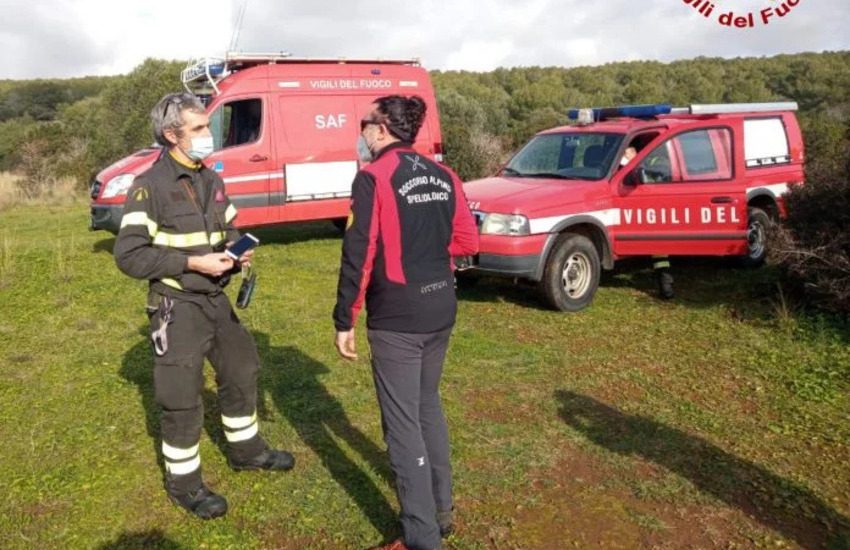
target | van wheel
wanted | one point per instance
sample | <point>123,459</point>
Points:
<point>340,223</point>
<point>571,275</point>
<point>758,224</point>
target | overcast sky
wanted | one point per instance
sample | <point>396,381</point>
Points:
<point>65,38</point>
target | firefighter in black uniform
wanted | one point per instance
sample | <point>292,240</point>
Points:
<point>409,216</point>
<point>177,221</point>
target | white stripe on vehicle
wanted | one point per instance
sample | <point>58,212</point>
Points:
<point>319,179</point>
<point>255,177</point>
<point>289,84</point>
<point>607,217</point>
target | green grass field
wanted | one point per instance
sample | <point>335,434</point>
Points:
<point>718,420</point>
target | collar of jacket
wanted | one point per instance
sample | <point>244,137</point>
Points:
<point>183,168</point>
<point>391,147</point>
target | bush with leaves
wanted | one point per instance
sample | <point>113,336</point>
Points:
<point>813,246</point>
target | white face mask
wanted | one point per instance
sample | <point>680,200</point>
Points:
<point>624,161</point>
<point>364,152</point>
<point>201,148</point>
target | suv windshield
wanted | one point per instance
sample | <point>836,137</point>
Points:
<point>578,155</point>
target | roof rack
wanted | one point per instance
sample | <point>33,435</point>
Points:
<point>209,69</point>
<point>729,108</point>
<point>212,70</point>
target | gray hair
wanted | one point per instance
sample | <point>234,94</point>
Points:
<point>167,114</point>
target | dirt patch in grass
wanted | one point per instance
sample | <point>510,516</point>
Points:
<point>579,504</point>
<point>500,406</point>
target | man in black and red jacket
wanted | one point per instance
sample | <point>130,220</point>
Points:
<point>409,217</point>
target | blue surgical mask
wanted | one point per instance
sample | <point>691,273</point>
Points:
<point>364,152</point>
<point>201,148</point>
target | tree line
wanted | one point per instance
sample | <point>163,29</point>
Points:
<point>52,129</point>
<point>82,125</point>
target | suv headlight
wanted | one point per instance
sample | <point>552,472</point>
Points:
<point>505,224</point>
<point>119,185</point>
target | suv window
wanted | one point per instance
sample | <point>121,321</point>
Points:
<point>656,167</point>
<point>576,155</point>
<point>236,123</point>
<point>697,153</point>
<point>706,154</point>
<point>700,155</point>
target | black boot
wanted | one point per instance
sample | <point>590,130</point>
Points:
<point>665,284</point>
<point>270,459</point>
<point>203,503</point>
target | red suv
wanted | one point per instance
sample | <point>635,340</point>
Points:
<point>704,180</point>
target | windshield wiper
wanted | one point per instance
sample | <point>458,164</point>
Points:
<point>548,175</point>
<point>507,171</point>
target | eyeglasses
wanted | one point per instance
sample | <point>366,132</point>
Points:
<point>178,100</point>
<point>367,121</point>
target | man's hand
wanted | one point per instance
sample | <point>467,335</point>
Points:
<point>214,264</point>
<point>244,259</point>
<point>345,344</point>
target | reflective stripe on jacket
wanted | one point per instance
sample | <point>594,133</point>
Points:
<point>173,212</point>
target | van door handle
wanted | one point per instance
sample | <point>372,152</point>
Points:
<point>721,200</point>
<point>258,158</point>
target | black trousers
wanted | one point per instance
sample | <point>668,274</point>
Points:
<point>407,368</point>
<point>204,327</point>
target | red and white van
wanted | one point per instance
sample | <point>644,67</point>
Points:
<point>706,180</point>
<point>285,132</point>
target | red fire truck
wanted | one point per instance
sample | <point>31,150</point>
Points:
<point>705,180</point>
<point>285,132</point>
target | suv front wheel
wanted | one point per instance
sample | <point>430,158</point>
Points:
<point>571,275</point>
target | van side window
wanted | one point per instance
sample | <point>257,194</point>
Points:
<point>236,123</point>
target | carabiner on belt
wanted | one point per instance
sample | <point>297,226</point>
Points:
<point>160,335</point>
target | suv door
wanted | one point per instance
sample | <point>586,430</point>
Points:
<point>243,156</point>
<point>683,198</point>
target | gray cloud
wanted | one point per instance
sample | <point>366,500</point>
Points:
<point>40,40</point>
<point>566,33</point>
<point>49,39</point>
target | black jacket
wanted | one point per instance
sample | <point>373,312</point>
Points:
<point>409,216</point>
<point>173,212</point>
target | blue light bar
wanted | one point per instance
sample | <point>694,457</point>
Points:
<point>633,111</point>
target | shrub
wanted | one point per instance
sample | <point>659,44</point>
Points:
<point>814,245</point>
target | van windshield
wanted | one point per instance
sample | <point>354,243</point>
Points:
<point>581,156</point>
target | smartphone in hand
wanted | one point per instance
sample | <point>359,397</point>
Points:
<point>243,245</point>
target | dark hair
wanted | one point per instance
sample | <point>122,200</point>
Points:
<point>403,115</point>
